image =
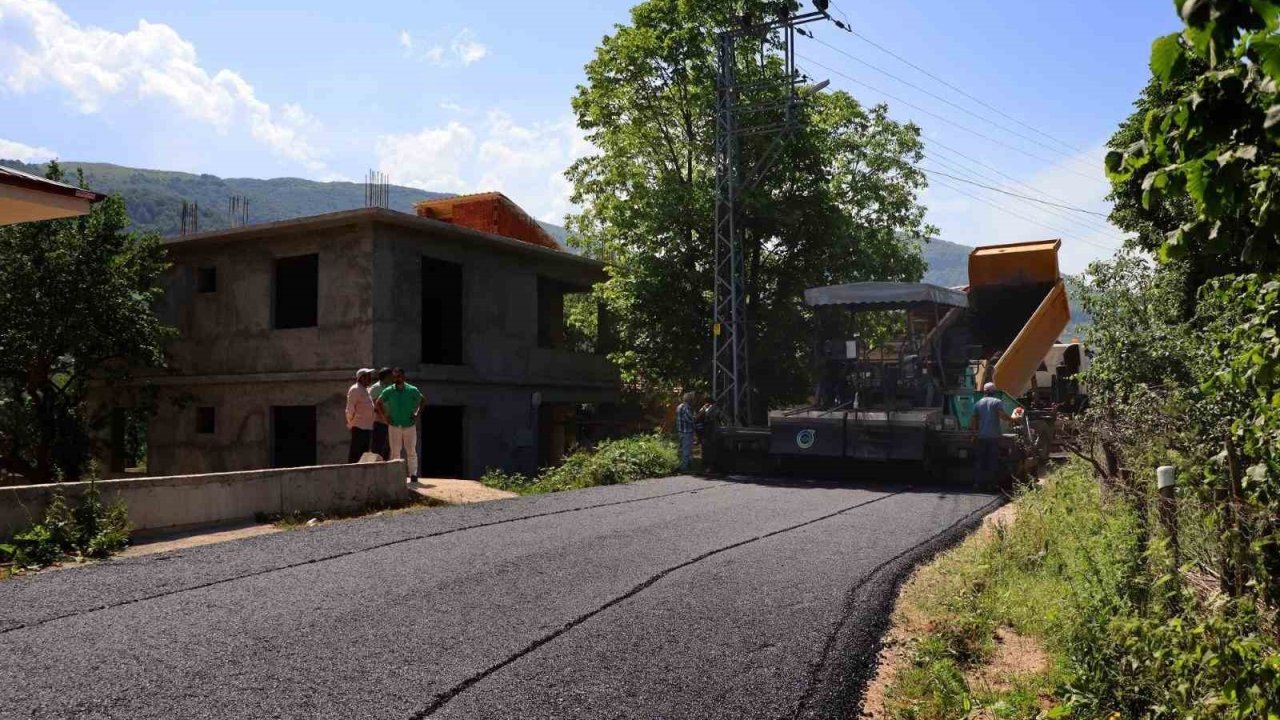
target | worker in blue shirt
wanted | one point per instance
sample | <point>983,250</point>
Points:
<point>987,415</point>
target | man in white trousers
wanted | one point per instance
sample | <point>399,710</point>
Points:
<point>401,403</point>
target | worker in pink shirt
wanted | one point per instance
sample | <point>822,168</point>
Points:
<point>360,414</point>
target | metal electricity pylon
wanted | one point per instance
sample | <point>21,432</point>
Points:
<point>768,42</point>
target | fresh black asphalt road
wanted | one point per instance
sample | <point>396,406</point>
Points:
<point>673,598</point>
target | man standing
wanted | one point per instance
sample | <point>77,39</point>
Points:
<point>359,415</point>
<point>400,404</point>
<point>684,430</point>
<point>380,443</point>
<point>987,415</point>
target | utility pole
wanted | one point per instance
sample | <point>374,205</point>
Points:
<point>767,40</point>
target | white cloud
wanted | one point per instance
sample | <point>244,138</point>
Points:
<point>465,47</point>
<point>96,66</point>
<point>994,219</point>
<point>526,162</point>
<point>13,150</point>
<point>433,159</point>
<point>463,50</point>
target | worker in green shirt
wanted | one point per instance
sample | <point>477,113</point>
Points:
<point>401,403</point>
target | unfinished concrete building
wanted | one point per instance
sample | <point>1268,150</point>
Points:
<point>273,319</point>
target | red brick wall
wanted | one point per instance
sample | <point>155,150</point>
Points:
<point>492,215</point>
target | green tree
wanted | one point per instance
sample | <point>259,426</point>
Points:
<point>76,300</point>
<point>841,205</point>
<point>1208,147</point>
<point>1143,361</point>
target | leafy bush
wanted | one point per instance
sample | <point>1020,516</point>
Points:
<point>613,462</point>
<point>91,529</point>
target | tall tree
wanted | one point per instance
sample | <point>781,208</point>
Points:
<point>840,206</point>
<point>1209,142</point>
<point>76,301</point>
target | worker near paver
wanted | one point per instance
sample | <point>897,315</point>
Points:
<point>380,443</point>
<point>684,430</point>
<point>401,403</point>
<point>360,415</point>
<point>987,415</point>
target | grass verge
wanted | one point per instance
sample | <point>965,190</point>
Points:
<point>1053,610</point>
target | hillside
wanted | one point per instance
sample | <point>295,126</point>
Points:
<point>154,197</point>
<point>948,263</point>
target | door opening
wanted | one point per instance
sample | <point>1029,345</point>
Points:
<point>442,448</point>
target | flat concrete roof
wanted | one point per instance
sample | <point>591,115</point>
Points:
<point>385,217</point>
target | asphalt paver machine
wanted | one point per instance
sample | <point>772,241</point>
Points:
<point>898,367</point>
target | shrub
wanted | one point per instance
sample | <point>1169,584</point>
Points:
<point>91,529</point>
<point>612,462</point>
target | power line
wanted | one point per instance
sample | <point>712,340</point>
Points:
<point>955,105</point>
<point>1083,222</point>
<point>1068,234</point>
<point>1096,225</point>
<point>953,87</point>
<point>938,144</point>
<point>947,120</point>
<point>1016,195</point>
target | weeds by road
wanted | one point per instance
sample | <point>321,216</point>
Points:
<point>1057,615</point>
<point>89,529</point>
<point>612,462</point>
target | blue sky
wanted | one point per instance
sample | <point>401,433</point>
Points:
<point>462,96</point>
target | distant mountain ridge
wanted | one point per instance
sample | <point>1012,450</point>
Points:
<point>154,198</point>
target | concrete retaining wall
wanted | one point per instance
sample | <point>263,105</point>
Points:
<point>168,502</point>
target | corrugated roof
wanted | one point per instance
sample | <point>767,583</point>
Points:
<point>10,176</point>
<point>886,295</point>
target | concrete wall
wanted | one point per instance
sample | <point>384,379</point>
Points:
<point>503,367</point>
<point>230,330</point>
<point>175,501</point>
<point>242,430</point>
<point>229,357</point>
<point>500,311</point>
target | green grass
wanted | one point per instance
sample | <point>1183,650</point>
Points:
<point>1017,576</point>
<point>612,462</point>
<point>1123,641</point>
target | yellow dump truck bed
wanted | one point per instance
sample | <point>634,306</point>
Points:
<point>1014,263</point>
<point>1016,289</point>
<point>1018,365</point>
